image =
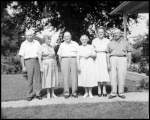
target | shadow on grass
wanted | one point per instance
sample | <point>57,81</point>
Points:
<point>80,91</point>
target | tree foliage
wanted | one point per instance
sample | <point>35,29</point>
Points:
<point>75,16</point>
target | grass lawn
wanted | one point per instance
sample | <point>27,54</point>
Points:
<point>119,110</point>
<point>13,87</point>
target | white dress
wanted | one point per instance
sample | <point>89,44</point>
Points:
<point>102,74</point>
<point>86,76</point>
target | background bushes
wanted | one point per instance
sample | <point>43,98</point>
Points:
<point>10,65</point>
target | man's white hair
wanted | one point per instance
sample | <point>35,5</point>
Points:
<point>29,31</point>
<point>67,33</point>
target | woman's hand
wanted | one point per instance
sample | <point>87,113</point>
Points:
<point>79,68</point>
<point>41,67</point>
<point>24,69</point>
<point>128,65</point>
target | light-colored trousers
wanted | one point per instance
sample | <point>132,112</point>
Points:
<point>69,73</point>
<point>34,77</point>
<point>118,73</point>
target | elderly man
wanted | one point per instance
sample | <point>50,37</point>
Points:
<point>68,58</point>
<point>29,59</point>
<point>120,58</point>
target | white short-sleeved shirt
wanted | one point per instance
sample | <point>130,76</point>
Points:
<point>85,51</point>
<point>68,49</point>
<point>29,49</point>
<point>100,45</point>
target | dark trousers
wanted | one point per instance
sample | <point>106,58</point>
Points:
<point>34,77</point>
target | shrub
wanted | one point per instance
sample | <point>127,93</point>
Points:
<point>144,84</point>
<point>10,65</point>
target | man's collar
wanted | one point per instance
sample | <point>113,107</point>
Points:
<point>30,42</point>
<point>119,40</point>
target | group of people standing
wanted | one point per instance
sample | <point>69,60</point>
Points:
<point>85,65</point>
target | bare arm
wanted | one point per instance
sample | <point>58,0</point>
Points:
<point>23,64</point>
<point>129,59</point>
<point>129,54</point>
<point>108,58</point>
<point>40,59</point>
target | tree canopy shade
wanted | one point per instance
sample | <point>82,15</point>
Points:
<point>75,16</point>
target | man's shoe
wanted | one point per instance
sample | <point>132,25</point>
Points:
<point>112,96</point>
<point>29,98</point>
<point>122,96</point>
<point>39,97</point>
<point>75,95</point>
<point>104,95</point>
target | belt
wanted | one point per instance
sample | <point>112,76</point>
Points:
<point>50,57</point>
<point>69,57</point>
<point>31,58</point>
<point>118,56</point>
<point>101,52</point>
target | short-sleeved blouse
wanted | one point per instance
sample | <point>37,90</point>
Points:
<point>100,45</point>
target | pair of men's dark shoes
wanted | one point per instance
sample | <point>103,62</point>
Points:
<point>100,95</point>
<point>32,97</point>
<point>113,96</point>
<point>73,95</point>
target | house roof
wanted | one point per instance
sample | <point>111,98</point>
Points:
<point>130,7</point>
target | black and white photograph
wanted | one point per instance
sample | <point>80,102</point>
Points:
<point>74,59</point>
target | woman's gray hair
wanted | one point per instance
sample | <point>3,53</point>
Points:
<point>100,27</point>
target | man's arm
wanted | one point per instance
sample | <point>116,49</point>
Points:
<point>129,57</point>
<point>129,54</point>
<point>59,54</point>
<point>22,60</point>
<point>108,58</point>
<point>23,64</point>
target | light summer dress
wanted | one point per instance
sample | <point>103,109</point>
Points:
<point>102,74</point>
<point>49,65</point>
<point>86,76</point>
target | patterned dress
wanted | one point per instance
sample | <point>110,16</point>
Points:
<point>49,66</point>
<point>86,76</point>
<point>100,46</point>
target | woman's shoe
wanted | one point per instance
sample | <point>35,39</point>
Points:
<point>91,96</point>
<point>85,95</point>
<point>74,95</point>
<point>48,96</point>
<point>54,96</point>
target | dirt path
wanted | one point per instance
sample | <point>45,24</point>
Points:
<point>130,97</point>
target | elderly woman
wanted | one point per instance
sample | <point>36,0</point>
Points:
<point>100,44</point>
<point>86,76</point>
<point>48,67</point>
